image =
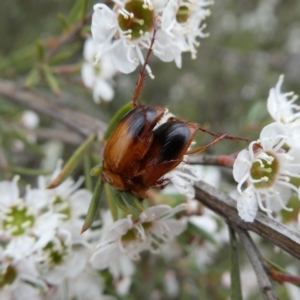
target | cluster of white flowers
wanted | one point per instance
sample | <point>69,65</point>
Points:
<point>268,171</point>
<point>43,255</point>
<point>121,33</point>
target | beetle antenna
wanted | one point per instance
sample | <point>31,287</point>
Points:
<point>226,136</point>
<point>142,75</point>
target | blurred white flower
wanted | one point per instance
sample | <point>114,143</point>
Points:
<point>127,239</point>
<point>67,200</point>
<point>59,260</point>
<point>182,23</point>
<point>30,119</point>
<point>20,280</point>
<point>112,252</point>
<point>281,106</point>
<point>267,170</point>
<point>97,76</point>
<point>24,227</point>
<point>156,226</point>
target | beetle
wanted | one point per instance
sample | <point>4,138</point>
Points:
<point>139,152</point>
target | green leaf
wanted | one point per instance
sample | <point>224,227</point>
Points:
<point>63,21</point>
<point>114,199</point>
<point>116,118</point>
<point>32,78</point>
<point>51,80</point>
<point>30,172</point>
<point>40,51</point>
<point>87,176</point>
<point>94,206</point>
<point>236,289</point>
<point>132,201</point>
<point>65,53</point>
<point>72,162</point>
<point>78,9</point>
<point>21,59</point>
<point>205,235</point>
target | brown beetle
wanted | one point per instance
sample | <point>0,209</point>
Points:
<point>137,156</point>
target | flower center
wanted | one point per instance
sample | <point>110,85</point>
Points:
<point>183,14</point>
<point>7,277</point>
<point>129,236</point>
<point>264,172</point>
<point>55,254</point>
<point>62,207</point>
<point>17,220</point>
<point>136,19</point>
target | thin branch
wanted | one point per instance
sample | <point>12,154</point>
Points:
<point>67,137</point>
<point>264,226</point>
<point>79,122</point>
<point>258,265</point>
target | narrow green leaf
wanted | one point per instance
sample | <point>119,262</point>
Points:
<point>94,206</point>
<point>32,78</point>
<point>205,235</point>
<point>132,201</point>
<point>65,53</point>
<point>21,55</point>
<point>114,199</point>
<point>116,118</point>
<point>96,171</point>
<point>51,80</point>
<point>63,21</point>
<point>76,11</point>
<point>30,172</point>
<point>72,162</point>
<point>236,289</point>
<point>40,51</point>
<point>84,9</point>
<point>87,176</point>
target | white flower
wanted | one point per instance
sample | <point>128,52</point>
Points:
<point>121,33</point>
<point>111,253</point>
<point>67,200</point>
<point>156,227</point>
<point>24,227</point>
<point>182,21</point>
<point>127,239</point>
<point>267,169</point>
<point>184,176</point>
<point>20,280</point>
<point>97,75</point>
<point>281,106</point>
<point>59,259</point>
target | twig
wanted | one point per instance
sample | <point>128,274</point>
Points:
<point>65,136</point>
<point>81,123</point>
<point>264,226</point>
<point>257,262</point>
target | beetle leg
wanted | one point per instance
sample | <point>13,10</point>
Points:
<point>161,184</point>
<point>203,148</point>
<point>142,75</point>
